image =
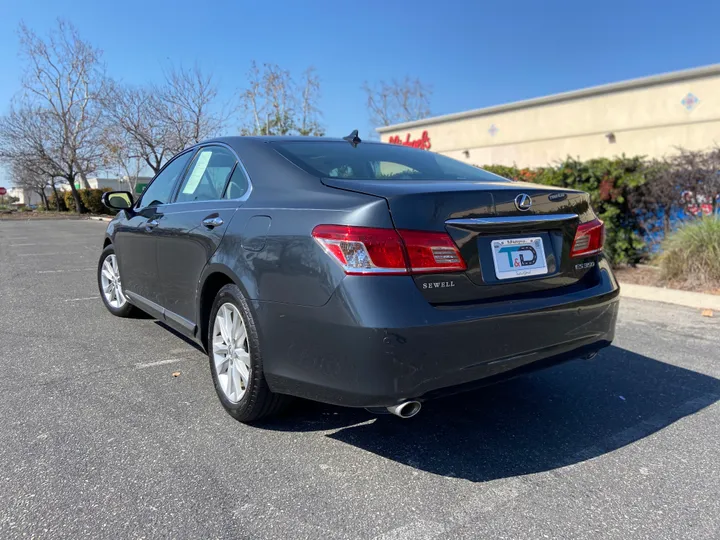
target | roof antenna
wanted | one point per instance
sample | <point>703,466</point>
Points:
<point>353,138</point>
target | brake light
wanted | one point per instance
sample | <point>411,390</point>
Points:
<point>431,252</point>
<point>365,250</point>
<point>589,239</point>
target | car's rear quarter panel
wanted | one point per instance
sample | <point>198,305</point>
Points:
<point>284,263</point>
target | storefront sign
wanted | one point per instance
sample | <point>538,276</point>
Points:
<point>423,142</point>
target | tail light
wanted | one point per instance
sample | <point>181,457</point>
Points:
<point>429,252</point>
<point>364,250</point>
<point>589,239</point>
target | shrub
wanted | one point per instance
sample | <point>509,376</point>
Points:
<point>69,201</point>
<point>53,202</point>
<point>92,200</point>
<point>692,253</point>
<point>609,183</point>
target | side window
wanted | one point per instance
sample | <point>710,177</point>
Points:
<point>238,184</point>
<point>207,175</point>
<point>160,190</point>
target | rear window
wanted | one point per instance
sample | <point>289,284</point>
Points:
<point>375,161</point>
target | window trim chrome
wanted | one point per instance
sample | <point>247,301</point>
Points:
<point>196,149</point>
<point>513,220</point>
<point>191,151</point>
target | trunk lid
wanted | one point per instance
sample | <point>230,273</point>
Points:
<point>476,214</point>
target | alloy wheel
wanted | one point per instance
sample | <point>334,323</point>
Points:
<point>231,352</point>
<point>111,285</point>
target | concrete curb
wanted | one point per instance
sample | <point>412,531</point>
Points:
<point>671,296</point>
<point>99,218</point>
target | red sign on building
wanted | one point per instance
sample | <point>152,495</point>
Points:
<point>423,142</point>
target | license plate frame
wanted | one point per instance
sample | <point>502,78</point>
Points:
<point>517,258</point>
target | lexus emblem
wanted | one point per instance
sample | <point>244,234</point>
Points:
<point>523,202</point>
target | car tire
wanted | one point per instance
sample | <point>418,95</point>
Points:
<point>118,308</point>
<point>256,400</point>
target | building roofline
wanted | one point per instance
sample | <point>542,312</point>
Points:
<point>631,84</point>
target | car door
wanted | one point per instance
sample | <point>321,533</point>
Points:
<point>135,240</point>
<point>192,227</point>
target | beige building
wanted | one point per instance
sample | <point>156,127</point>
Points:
<point>649,116</point>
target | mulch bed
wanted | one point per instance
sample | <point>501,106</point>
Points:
<point>652,276</point>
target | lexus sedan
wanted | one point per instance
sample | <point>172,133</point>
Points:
<point>357,273</point>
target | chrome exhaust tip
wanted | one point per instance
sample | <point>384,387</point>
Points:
<point>590,356</point>
<point>406,409</point>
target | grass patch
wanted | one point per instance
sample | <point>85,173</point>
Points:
<point>692,253</point>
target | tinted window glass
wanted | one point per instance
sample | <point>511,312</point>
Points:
<point>207,174</point>
<point>160,189</point>
<point>377,162</point>
<point>238,184</point>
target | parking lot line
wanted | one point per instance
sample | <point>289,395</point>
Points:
<point>82,299</point>
<point>160,363</point>
<point>66,270</point>
<point>52,253</point>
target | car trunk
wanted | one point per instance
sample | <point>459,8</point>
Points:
<point>481,217</point>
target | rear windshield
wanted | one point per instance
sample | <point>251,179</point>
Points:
<point>375,161</point>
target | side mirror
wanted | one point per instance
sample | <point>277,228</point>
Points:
<point>118,200</point>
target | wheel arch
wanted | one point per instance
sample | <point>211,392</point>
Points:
<point>214,278</point>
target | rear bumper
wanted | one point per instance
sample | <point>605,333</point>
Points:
<point>378,341</point>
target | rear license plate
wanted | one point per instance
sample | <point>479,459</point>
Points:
<point>519,257</point>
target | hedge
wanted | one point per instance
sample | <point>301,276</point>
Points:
<point>635,197</point>
<point>91,200</point>
<point>608,182</point>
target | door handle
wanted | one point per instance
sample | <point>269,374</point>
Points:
<point>151,224</point>
<point>212,222</point>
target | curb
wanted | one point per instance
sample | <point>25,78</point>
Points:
<point>98,218</point>
<point>671,296</point>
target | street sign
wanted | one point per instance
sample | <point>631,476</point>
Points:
<point>140,188</point>
<point>3,191</point>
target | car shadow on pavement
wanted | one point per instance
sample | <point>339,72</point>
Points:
<point>186,339</point>
<point>534,423</point>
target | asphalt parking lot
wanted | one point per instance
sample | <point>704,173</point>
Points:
<point>99,440</point>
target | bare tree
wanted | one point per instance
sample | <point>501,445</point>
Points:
<point>273,104</point>
<point>63,86</point>
<point>122,157</point>
<point>310,112</point>
<point>139,129</point>
<point>188,107</point>
<point>151,124</point>
<point>24,178</point>
<point>397,101</point>
<point>27,138</point>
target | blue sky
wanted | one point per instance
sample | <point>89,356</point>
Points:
<point>473,53</point>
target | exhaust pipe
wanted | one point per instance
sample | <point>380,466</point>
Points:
<point>406,409</point>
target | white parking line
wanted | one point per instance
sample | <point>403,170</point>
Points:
<point>22,245</point>
<point>160,363</point>
<point>53,253</point>
<point>82,299</point>
<point>65,271</point>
